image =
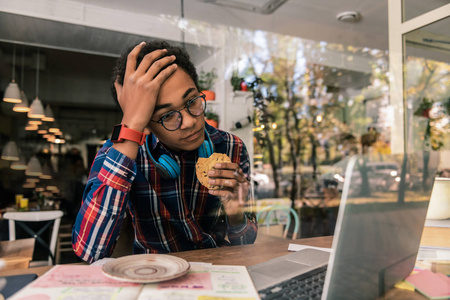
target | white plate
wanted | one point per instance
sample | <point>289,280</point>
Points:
<point>146,268</point>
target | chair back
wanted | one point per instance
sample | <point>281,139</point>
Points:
<point>47,217</point>
<point>264,216</point>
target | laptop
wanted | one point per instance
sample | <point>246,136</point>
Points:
<point>377,235</point>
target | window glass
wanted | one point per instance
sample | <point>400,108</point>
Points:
<point>311,105</point>
<point>427,83</point>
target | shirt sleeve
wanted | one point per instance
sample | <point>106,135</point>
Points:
<point>246,232</point>
<point>105,199</point>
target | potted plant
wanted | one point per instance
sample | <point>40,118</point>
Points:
<point>236,81</point>
<point>424,108</point>
<point>206,82</point>
<point>212,119</point>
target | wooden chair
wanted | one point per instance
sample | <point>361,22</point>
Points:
<point>47,218</point>
<point>64,242</point>
<point>268,215</point>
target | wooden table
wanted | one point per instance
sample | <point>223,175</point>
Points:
<point>248,255</point>
<point>17,254</point>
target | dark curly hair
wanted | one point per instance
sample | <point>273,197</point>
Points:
<point>182,60</point>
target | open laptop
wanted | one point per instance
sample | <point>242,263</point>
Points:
<point>377,234</point>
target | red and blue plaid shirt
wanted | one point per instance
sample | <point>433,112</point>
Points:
<point>168,215</point>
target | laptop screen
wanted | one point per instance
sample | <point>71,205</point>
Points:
<point>381,217</point>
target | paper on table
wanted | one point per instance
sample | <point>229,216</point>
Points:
<point>204,282</point>
<point>88,283</point>
<point>433,285</point>
<point>295,247</point>
<point>78,282</point>
<point>102,261</point>
<point>433,253</point>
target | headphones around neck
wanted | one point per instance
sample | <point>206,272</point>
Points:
<point>167,167</point>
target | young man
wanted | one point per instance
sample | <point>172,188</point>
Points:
<point>148,167</point>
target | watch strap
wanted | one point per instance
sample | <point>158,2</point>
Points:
<point>122,132</point>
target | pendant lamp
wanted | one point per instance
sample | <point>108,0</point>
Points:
<point>36,108</point>
<point>46,172</point>
<point>12,92</point>
<point>48,114</point>
<point>10,152</point>
<point>34,180</point>
<point>23,106</point>
<point>19,165</point>
<point>33,167</point>
<point>29,185</point>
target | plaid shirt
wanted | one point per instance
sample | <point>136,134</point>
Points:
<point>167,214</point>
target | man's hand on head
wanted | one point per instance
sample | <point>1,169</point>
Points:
<point>137,96</point>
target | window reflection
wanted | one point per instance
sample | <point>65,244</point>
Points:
<point>427,83</point>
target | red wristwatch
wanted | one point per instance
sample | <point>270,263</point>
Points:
<point>121,132</point>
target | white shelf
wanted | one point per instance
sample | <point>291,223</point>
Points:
<point>239,94</point>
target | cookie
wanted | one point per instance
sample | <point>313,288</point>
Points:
<point>206,164</point>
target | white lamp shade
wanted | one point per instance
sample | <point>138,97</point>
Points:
<point>34,122</point>
<point>23,106</point>
<point>34,167</point>
<point>46,172</point>
<point>29,185</point>
<point>52,188</point>
<point>19,165</point>
<point>36,109</point>
<point>35,180</point>
<point>31,127</point>
<point>48,114</point>
<point>439,207</point>
<point>10,152</point>
<point>12,93</point>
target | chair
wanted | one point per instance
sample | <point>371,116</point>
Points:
<point>269,213</point>
<point>48,218</point>
<point>64,241</point>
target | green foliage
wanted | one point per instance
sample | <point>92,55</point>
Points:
<point>236,81</point>
<point>206,79</point>
<point>424,105</point>
<point>212,116</point>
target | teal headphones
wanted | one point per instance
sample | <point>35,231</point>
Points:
<point>167,167</point>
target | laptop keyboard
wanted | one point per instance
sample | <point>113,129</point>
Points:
<point>305,286</point>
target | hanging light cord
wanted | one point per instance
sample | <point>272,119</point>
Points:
<point>21,74</point>
<point>14,63</point>
<point>182,19</point>
<point>37,74</point>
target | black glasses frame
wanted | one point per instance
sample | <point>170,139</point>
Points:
<point>161,120</point>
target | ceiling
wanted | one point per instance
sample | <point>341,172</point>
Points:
<point>315,20</point>
<point>93,33</point>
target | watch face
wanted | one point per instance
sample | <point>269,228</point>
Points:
<point>116,132</point>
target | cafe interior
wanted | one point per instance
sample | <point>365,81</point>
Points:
<point>305,84</point>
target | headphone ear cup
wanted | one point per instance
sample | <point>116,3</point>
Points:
<point>169,165</point>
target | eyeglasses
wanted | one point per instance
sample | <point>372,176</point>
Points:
<point>172,120</point>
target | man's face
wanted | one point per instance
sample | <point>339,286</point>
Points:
<point>175,92</point>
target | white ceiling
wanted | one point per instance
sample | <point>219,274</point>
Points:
<point>310,19</point>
